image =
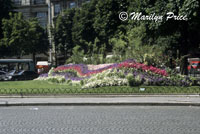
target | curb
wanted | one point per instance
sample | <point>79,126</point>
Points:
<point>101,104</point>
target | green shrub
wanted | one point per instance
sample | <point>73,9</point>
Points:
<point>56,79</point>
<point>138,80</point>
<point>194,81</point>
<point>134,81</point>
<point>131,80</point>
<point>51,71</point>
<point>82,82</point>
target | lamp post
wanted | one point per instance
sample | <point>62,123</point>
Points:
<point>65,49</point>
<point>49,31</point>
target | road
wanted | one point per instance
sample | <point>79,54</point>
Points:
<point>100,120</point>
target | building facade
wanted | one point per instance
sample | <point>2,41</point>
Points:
<point>58,6</point>
<point>32,9</point>
<point>46,12</point>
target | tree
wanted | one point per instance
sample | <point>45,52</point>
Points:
<point>15,31</point>
<point>179,36</point>
<point>96,28</point>
<point>93,25</point>
<point>37,39</point>
<point>5,8</point>
<point>83,31</point>
<point>23,37</point>
<point>107,22</point>
<point>63,32</point>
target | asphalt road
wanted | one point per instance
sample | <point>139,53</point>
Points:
<point>100,120</point>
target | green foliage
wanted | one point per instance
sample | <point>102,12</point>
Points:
<point>90,27</point>
<point>68,81</point>
<point>78,55</point>
<point>82,82</point>
<point>37,38</point>
<point>96,29</point>
<point>150,55</point>
<point>95,55</point>
<point>46,88</point>
<point>121,74</point>
<point>119,45</point>
<point>107,22</point>
<point>83,30</point>
<point>63,32</point>
<point>132,81</point>
<point>5,7</point>
<point>15,34</point>
<point>22,37</point>
<point>195,81</point>
<point>50,73</point>
<point>180,37</point>
<point>56,79</point>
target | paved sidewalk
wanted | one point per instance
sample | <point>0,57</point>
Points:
<point>173,100</point>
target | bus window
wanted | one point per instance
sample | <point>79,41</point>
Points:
<point>17,64</point>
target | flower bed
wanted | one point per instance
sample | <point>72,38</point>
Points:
<point>128,72</point>
<point>82,70</point>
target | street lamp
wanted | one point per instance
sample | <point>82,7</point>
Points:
<point>49,31</point>
<point>65,49</point>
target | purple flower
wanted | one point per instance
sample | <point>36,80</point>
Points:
<point>44,75</point>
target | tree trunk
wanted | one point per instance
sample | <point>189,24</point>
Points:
<point>34,60</point>
<point>184,64</point>
<point>184,48</point>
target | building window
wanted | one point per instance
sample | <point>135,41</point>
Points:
<point>17,2</point>
<point>86,1</point>
<point>39,1</point>
<point>72,4</point>
<point>42,18</point>
<point>56,9</point>
<point>25,2</point>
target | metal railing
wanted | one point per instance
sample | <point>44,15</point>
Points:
<point>100,91</point>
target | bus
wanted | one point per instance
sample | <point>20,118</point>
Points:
<point>17,64</point>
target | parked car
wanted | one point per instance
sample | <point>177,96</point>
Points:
<point>24,75</point>
<point>9,75</point>
<point>2,75</point>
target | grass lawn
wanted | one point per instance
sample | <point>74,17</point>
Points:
<point>45,88</point>
<point>29,84</point>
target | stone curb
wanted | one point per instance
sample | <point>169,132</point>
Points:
<point>102,104</point>
<point>98,100</point>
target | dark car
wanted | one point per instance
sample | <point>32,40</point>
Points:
<point>25,75</point>
<point>9,75</point>
<point>2,75</point>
